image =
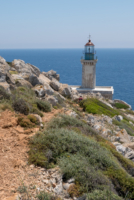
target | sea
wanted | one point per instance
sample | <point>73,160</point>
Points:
<point>115,67</point>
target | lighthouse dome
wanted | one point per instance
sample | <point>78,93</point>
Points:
<point>89,43</point>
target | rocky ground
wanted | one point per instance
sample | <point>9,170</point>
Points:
<point>18,179</point>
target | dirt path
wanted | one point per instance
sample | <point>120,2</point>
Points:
<point>14,168</point>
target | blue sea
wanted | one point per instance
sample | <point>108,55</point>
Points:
<point>115,67</point>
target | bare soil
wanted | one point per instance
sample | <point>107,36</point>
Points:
<point>14,168</point>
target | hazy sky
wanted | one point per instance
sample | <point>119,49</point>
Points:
<point>66,23</point>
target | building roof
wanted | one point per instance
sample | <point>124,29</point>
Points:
<point>89,43</point>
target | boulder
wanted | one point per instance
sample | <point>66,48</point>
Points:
<point>9,79</point>
<point>52,74</point>
<point>123,136</point>
<point>25,68</point>
<point>35,70</point>
<point>42,90</point>
<point>23,82</point>
<point>119,118</point>
<point>55,85</point>
<point>34,80</point>
<point>66,90</point>
<point>48,89</point>
<point>43,79</point>
<point>6,86</point>
<point>39,90</point>
<point>52,100</point>
<point>16,77</point>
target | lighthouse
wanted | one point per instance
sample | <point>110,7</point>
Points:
<point>89,74</point>
<point>89,66</point>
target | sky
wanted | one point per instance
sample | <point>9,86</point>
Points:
<point>66,24</point>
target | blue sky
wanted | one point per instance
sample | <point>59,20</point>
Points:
<point>66,24</point>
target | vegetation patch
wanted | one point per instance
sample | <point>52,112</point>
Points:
<point>13,72</point>
<point>102,195</point>
<point>33,119</point>
<point>47,196</point>
<point>121,106</point>
<point>43,105</point>
<point>81,153</point>
<point>4,94</point>
<point>124,124</point>
<point>95,106</point>
<point>19,105</point>
<point>25,122</point>
<point>5,105</point>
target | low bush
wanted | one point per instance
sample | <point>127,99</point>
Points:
<point>36,111</point>
<point>121,106</point>
<point>79,167</point>
<point>25,122</point>
<point>47,196</point>
<point>95,166</point>
<point>33,119</point>
<point>102,195</point>
<point>43,105</point>
<point>95,106</point>
<point>4,94</point>
<point>19,105</point>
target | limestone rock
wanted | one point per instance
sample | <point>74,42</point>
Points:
<point>25,68</point>
<point>52,100</point>
<point>42,90</point>
<point>4,68</point>
<point>16,77</point>
<point>33,80</point>
<point>52,74</point>
<point>123,136</point>
<point>43,79</point>
<point>9,79</point>
<point>6,86</point>
<point>55,85</point>
<point>35,70</point>
<point>66,90</point>
<point>24,83</point>
<point>73,114</point>
<point>119,118</point>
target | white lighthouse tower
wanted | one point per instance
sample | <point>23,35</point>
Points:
<point>89,74</point>
<point>89,67</point>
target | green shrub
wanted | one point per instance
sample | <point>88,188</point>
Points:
<point>25,122</point>
<point>45,196</point>
<point>123,182</point>
<point>121,106</point>
<point>4,94</point>
<point>102,195</point>
<point>95,106</point>
<point>94,165</point>
<point>43,105</point>
<point>33,119</point>
<point>19,105</point>
<point>86,175</point>
<point>36,111</point>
